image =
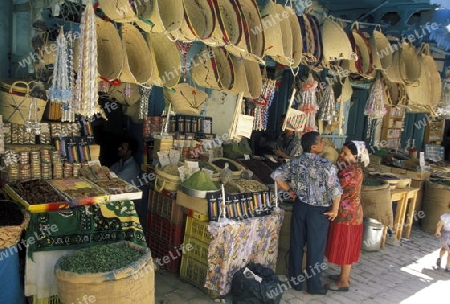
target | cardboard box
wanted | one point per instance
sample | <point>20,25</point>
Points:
<point>195,203</point>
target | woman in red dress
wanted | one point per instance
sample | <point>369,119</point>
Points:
<point>345,232</point>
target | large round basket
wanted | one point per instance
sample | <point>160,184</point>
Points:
<point>436,201</point>
<point>132,284</point>
<point>377,204</point>
<point>10,235</point>
<point>164,180</point>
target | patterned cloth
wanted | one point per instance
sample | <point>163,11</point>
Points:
<point>312,177</point>
<point>234,245</point>
<point>350,210</point>
<point>84,226</point>
<point>292,146</point>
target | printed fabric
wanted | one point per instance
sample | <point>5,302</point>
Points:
<point>234,245</point>
<point>312,177</point>
<point>350,210</point>
<point>292,147</point>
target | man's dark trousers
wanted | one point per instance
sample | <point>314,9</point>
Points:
<point>309,226</point>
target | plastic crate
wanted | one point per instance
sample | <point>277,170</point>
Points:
<point>194,272</point>
<point>169,256</point>
<point>197,229</point>
<point>50,300</point>
<point>164,204</point>
<point>199,249</point>
<point>162,228</point>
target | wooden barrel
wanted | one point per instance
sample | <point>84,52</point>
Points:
<point>377,204</point>
<point>436,201</point>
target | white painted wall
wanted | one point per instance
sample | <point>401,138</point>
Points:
<point>220,106</point>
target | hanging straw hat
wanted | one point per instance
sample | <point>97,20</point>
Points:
<point>336,45</point>
<point>228,15</point>
<point>240,77</point>
<point>381,50</point>
<point>256,29</point>
<point>272,32</point>
<point>296,37</point>
<point>110,53</point>
<point>212,68</point>
<point>432,73</point>
<point>166,15</point>
<point>185,99</point>
<point>139,64</point>
<point>254,78</point>
<point>410,66</point>
<point>360,46</point>
<point>309,44</point>
<point>285,57</point>
<point>118,10</point>
<point>126,93</point>
<point>242,48</point>
<point>199,20</point>
<point>167,59</point>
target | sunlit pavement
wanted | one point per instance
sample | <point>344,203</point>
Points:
<point>396,274</point>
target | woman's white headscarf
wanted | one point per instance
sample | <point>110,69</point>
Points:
<point>363,153</point>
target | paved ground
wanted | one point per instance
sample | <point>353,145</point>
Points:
<point>396,274</point>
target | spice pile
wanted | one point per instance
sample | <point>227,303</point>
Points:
<point>200,181</point>
<point>10,214</point>
<point>101,258</point>
<point>373,182</point>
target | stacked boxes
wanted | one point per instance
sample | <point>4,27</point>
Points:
<point>194,263</point>
<point>165,229</point>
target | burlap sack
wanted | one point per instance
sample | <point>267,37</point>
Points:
<point>110,53</point>
<point>129,285</point>
<point>377,204</point>
<point>435,203</point>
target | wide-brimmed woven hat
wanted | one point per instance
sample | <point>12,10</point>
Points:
<point>254,78</point>
<point>125,93</point>
<point>409,64</point>
<point>228,15</point>
<point>297,46</point>
<point>199,21</point>
<point>118,10</point>
<point>185,99</point>
<point>167,59</point>
<point>272,31</point>
<point>213,68</point>
<point>392,73</point>
<point>139,64</point>
<point>361,46</point>
<point>166,15</point>
<point>336,45</point>
<point>240,77</point>
<point>242,48</point>
<point>286,57</point>
<point>255,26</point>
<point>381,50</point>
<point>110,53</point>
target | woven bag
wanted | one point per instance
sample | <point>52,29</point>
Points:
<point>186,99</point>
<point>10,235</point>
<point>15,106</point>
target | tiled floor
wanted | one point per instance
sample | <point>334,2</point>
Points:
<point>396,274</point>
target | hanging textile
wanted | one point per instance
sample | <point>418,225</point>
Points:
<point>263,103</point>
<point>308,103</point>
<point>86,90</point>
<point>375,108</point>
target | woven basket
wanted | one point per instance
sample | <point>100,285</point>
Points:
<point>381,50</point>
<point>15,108</point>
<point>240,77</point>
<point>165,180</point>
<point>10,235</point>
<point>435,203</point>
<point>272,32</point>
<point>254,78</point>
<point>166,15</point>
<point>118,10</point>
<point>336,45</point>
<point>296,38</point>
<point>229,18</point>
<point>409,64</point>
<point>253,19</point>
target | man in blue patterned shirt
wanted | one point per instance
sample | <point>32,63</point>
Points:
<point>313,183</point>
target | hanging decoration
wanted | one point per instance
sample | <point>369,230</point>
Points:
<point>263,103</point>
<point>308,103</point>
<point>145,92</point>
<point>327,109</point>
<point>86,90</point>
<point>375,108</point>
<point>184,48</point>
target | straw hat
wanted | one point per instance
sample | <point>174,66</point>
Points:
<point>118,10</point>
<point>253,19</point>
<point>254,78</point>
<point>273,33</point>
<point>212,68</point>
<point>297,47</point>
<point>432,73</point>
<point>166,15</point>
<point>185,99</point>
<point>228,15</point>
<point>199,18</point>
<point>286,55</point>
<point>419,93</point>
<point>139,63</point>
<point>361,47</point>
<point>381,50</point>
<point>393,71</point>
<point>240,77</point>
<point>336,45</point>
<point>167,59</point>
<point>410,66</point>
<point>126,93</point>
<point>110,53</point>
